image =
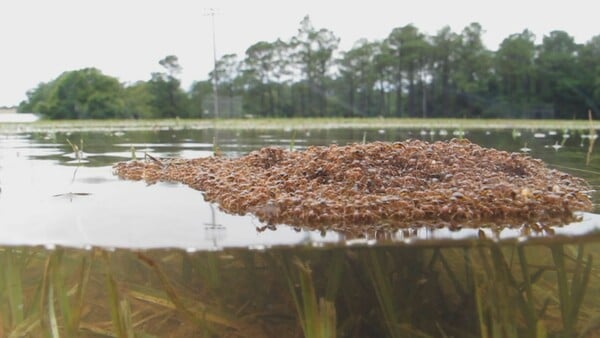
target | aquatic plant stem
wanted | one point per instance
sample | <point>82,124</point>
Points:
<point>530,314</point>
<point>14,287</point>
<point>571,298</point>
<point>113,299</point>
<point>383,291</point>
<point>579,283</point>
<point>317,316</point>
<point>200,319</point>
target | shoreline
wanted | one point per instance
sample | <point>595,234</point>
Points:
<point>294,124</point>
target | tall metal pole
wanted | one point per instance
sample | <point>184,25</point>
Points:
<point>215,76</point>
<point>216,151</point>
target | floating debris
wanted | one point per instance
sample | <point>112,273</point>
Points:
<point>362,187</point>
<point>525,149</point>
<point>70,195</point>
<point>555,146</point>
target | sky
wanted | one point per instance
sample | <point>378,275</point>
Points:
<point>40,39</point>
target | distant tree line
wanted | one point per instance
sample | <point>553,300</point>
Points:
<point>407,74</point>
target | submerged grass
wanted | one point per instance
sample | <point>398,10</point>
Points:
<point>482,289</point>
<point>316,316</point>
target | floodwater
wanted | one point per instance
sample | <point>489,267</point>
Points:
<point>55,194</point>
<point>83,253</point>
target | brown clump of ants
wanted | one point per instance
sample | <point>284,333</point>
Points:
<point>378,185</point>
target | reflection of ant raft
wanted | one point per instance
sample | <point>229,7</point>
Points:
<point>455,183</point>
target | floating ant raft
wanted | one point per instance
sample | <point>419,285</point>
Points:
<point>378,185</point>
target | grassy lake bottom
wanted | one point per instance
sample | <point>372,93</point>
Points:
<point>86,254</point>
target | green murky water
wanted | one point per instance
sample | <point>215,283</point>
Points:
<point>86,254</point>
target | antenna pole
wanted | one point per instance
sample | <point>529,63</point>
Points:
<point>212,12</point>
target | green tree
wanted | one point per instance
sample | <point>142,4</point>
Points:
<point>35,97</point>
<point>406,74</point>
<point>259,73</point>
<point>416,51</point>
<point>200,98</point>
<point>383,66</point>
<point>79,94</point>
<point>394,47</point>
<point>514,64</point>
<point>515,71</point>
<point>473,72</point>
<point>443,58</point>
<point>589,65</point>
<point>557,74</point>
<point>167,96</point>
<point>313,54</point>
<point>228,72</point>
<point>138,101</point>
<point>358,79</point>
<point>408,56</point>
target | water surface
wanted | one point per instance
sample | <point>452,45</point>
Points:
<point>58,188</point>
<point>85,254</point>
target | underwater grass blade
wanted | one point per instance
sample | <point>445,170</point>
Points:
<point>84,277</point>
<point>317,317</point>
<point>14,287</point>
<point>334,275</point>
<point>200,319</point>
<point>563,289</point>
<point>213,275</point>
<point>579,290</point>
<point>23,329</point>
<point>529,304</point>
<point>469,282</point>
<point>571,298</point>
<point>126,319</point>
<point>113,300</point>
<point>52,312</point>
<point>494,292</point>
<point>383,291</point>
<point>59,291</point>
<point>328,318</point>
<point>70,310</point>
<point>541,331</point>
<point>309,300</point>
<point>483,329</point>
<point>506,288</point>
<point>577,273</point>
<point>459,288</point>
<point>285,262</point>
<point>43,294</point>
<point>536,276</point>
